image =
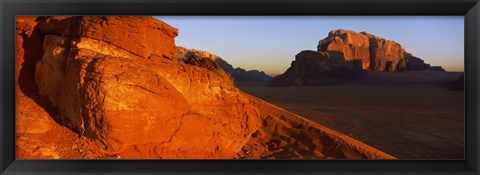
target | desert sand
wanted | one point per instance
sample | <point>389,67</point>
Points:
<point>410,115</point>
<point>285,135</point>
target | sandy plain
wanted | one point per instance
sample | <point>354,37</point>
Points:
<point>410,115</point>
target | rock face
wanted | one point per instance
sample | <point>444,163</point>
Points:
<point>238,74</point>
<point>343,55</point>
<point>116,80</point>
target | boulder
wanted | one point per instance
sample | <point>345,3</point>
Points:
<point>115,79</point>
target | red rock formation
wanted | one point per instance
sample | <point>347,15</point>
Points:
<point>347,46</point>
<point>375,53</point>
<point>115,79</point>
<point>343,54</point>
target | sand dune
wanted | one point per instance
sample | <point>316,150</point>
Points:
<point>286,135</point>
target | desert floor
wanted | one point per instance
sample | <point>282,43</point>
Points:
<point>410,115</point>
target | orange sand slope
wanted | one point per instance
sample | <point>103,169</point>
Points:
<point>286,135</point>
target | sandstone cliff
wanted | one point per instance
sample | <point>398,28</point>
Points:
<point>116,80</point>
<point>343,55</point>
<point>238,74</point>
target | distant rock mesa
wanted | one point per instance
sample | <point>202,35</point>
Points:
<point>238,74</point>
<point>116,80</point>
<point>343,55</point>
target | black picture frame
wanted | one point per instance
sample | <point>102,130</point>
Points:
<point>470,9</point>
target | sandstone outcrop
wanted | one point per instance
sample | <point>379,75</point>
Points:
<point>116,80</point>
<point>343,55</point>
<point>238,74</point>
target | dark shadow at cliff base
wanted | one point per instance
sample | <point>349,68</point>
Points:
<point>33,52</point>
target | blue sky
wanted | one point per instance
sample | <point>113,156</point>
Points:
<point>270,43</point>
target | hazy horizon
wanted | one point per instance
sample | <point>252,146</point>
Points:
<point>270,43</point>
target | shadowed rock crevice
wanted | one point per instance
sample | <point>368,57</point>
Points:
<point>29,51</point>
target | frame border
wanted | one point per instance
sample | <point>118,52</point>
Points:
<point>470,9</point>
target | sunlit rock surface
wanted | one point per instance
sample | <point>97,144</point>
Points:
<point>116,80</point>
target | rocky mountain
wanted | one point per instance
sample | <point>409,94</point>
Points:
<point>116,80</point>
<point>238,74</point>
<point>344,55</point>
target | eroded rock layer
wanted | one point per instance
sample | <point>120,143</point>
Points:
<point>115,79</point>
